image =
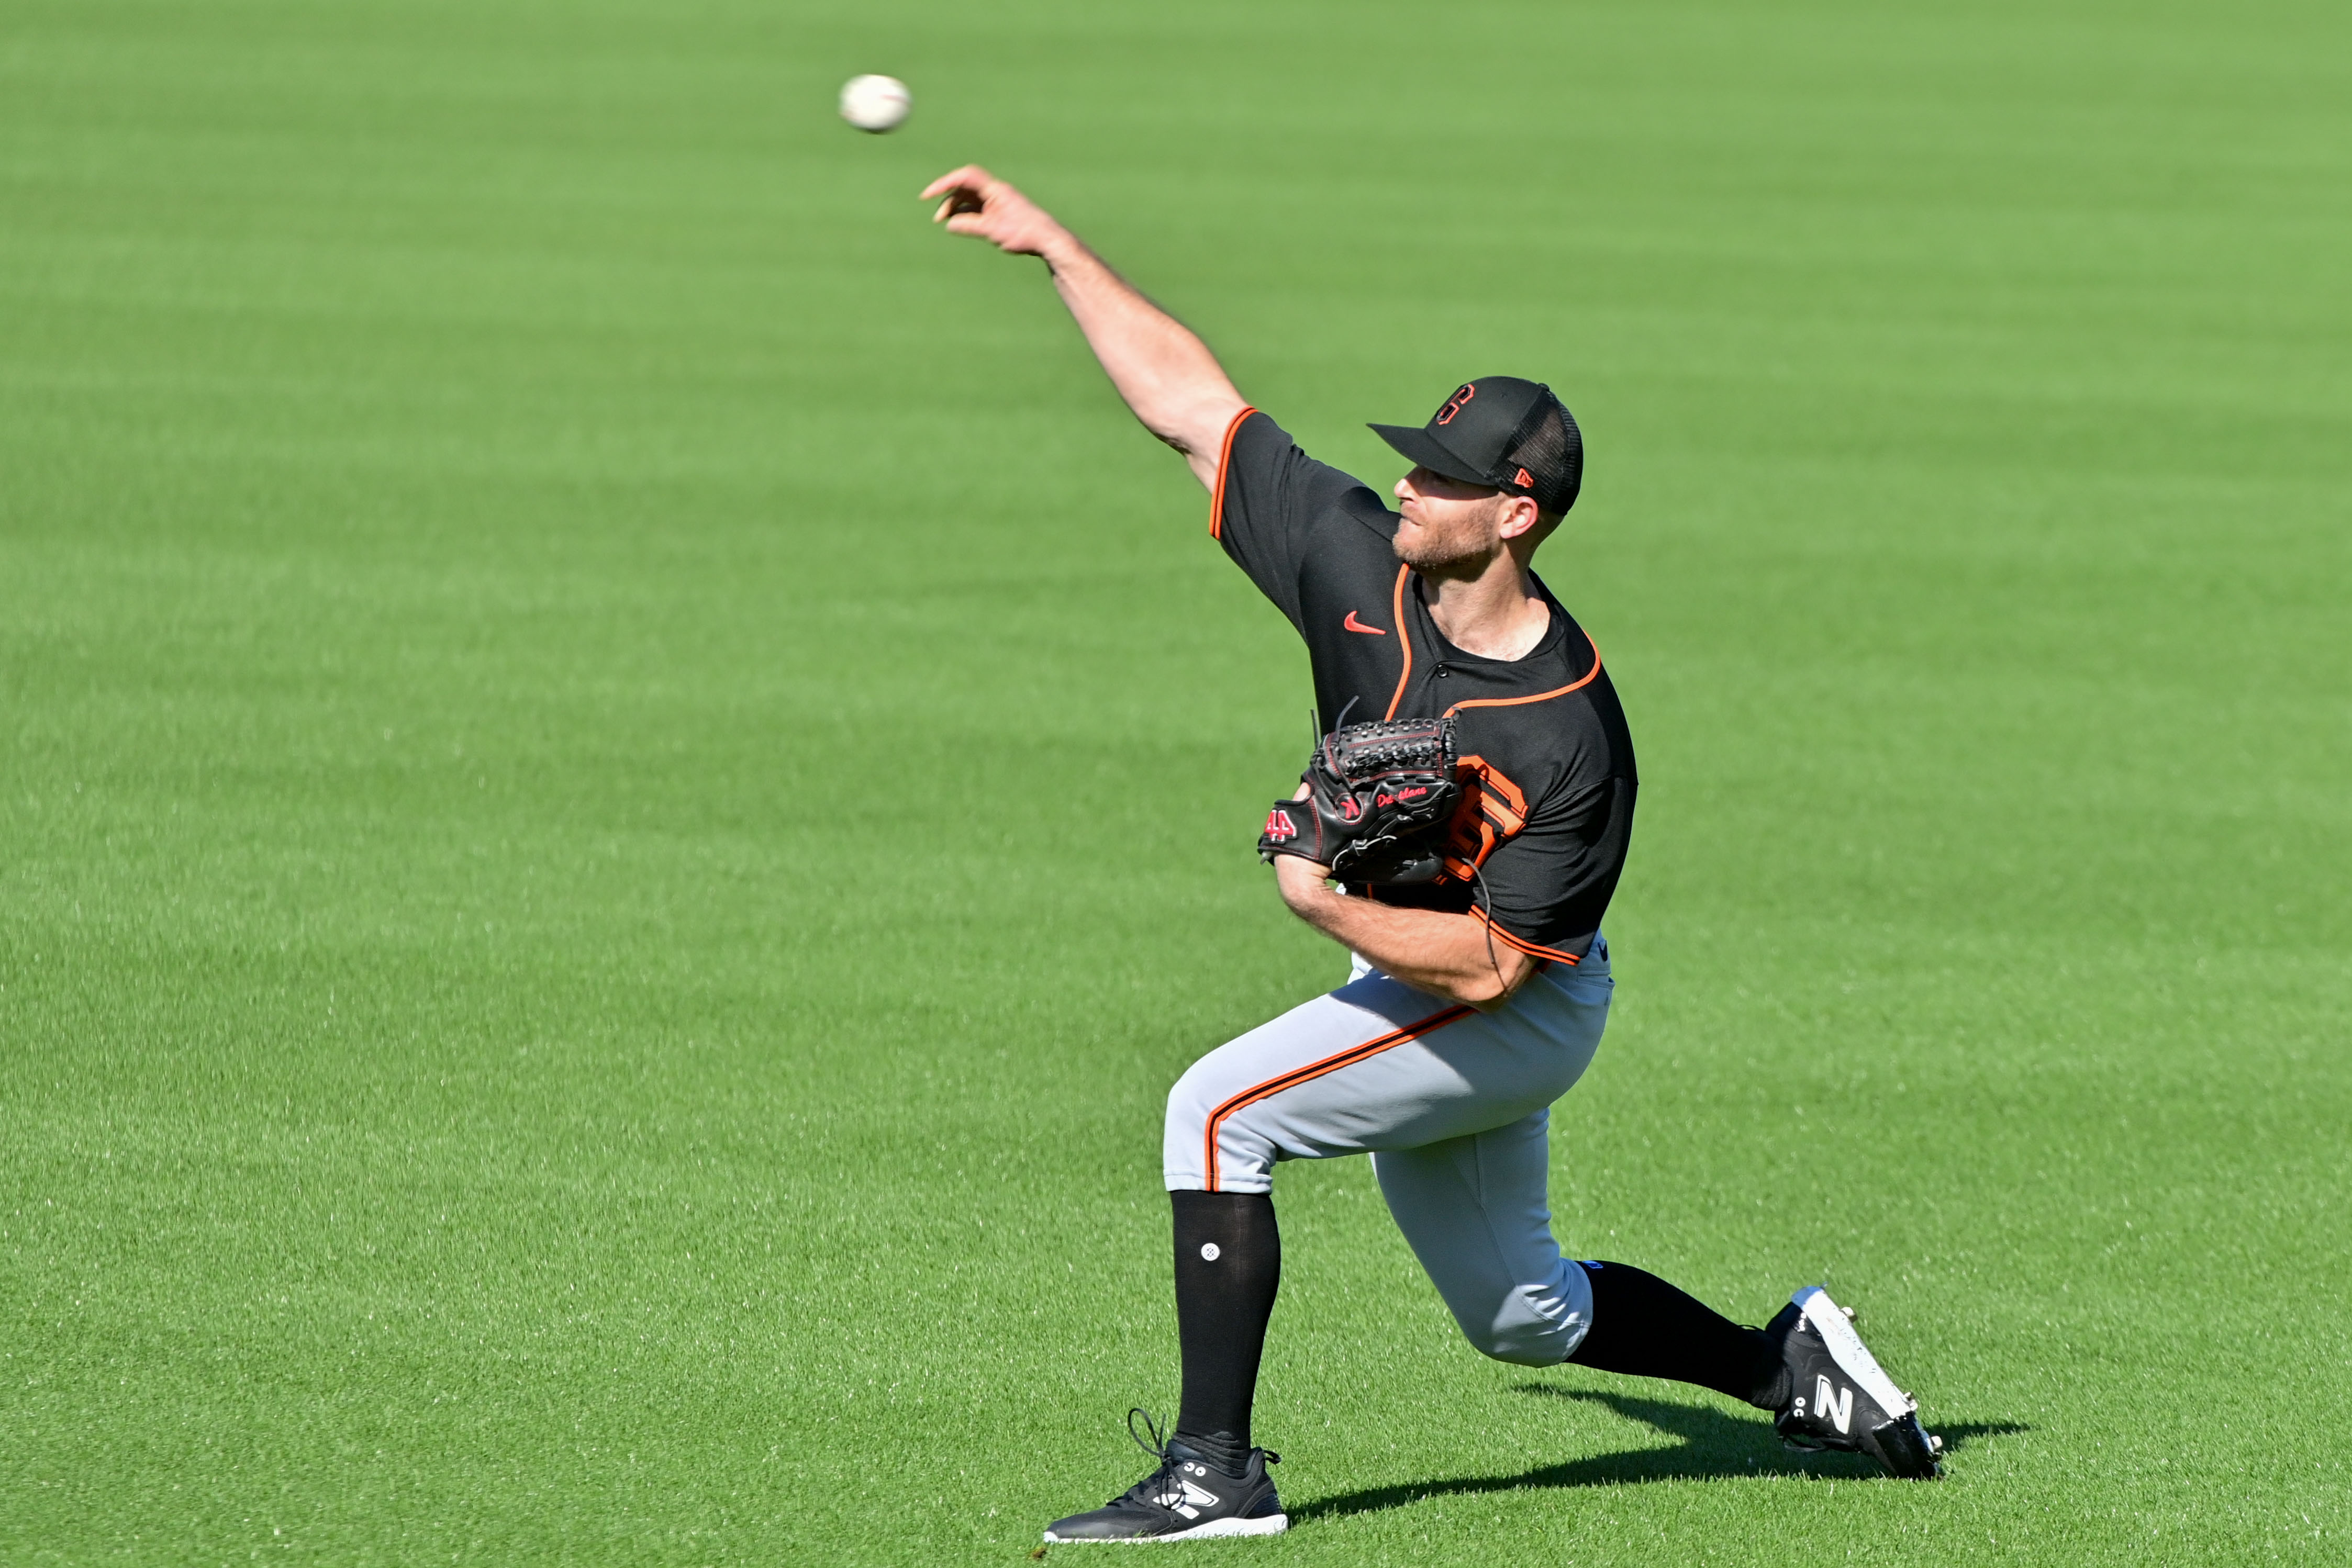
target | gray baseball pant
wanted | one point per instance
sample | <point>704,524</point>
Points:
<point>1452,1105</point>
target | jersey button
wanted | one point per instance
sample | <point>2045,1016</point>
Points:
<point>1441,672</point>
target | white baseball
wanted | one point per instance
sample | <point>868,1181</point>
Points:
<point>875,103</point>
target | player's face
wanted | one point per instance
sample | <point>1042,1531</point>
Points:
<point>1447,523</point>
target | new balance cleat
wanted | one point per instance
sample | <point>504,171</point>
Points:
<point>1185,1498</point>
<point>1839,1396</point>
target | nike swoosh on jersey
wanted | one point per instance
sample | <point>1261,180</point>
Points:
<point>1352,625</point>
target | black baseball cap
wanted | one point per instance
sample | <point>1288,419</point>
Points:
<point>1504,432</point>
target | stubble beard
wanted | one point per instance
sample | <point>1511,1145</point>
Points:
<point>1460,552</point>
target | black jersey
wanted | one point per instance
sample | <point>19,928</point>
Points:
<point>1546,826</point>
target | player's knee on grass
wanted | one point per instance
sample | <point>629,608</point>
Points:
<point>1474,1211</point>
<point>1529,1326</point>
<point>1520,1344</point>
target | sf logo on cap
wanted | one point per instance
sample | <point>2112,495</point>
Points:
<point>1463,394</point>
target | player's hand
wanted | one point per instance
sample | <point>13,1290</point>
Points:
<point>1299,879</point>
<point>976,202</point>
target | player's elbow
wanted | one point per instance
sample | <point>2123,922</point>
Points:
<point>1193,418</point>
<point>1485,993</point>
<point>1495,981</point>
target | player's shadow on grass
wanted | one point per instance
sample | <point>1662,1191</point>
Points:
<point>1715,1443</point>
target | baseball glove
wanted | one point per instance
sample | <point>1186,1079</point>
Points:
<point>1378,800</point>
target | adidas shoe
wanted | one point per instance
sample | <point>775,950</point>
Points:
<point>1186,1499</point>
<point>1838,1396</point>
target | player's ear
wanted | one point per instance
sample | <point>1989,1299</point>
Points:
<point>1520,516</point>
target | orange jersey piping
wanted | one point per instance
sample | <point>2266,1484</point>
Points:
<point>1313,1070</point>
<point>1217,491</point>
<point>1404,639</point>
<point>1532,950</point>
<point>1539,697</point>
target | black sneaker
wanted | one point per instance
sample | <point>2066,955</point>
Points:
<point>1839,1397</point>
<point>1186,1499</point>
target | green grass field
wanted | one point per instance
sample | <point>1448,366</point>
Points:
<point>592,936</point>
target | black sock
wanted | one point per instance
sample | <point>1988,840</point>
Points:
<point>1644,1326</point>
<point>1228,1264</point>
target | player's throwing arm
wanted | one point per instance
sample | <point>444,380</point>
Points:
<point>1166,374</point>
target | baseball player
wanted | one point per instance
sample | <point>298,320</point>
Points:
<point>1480,980</point>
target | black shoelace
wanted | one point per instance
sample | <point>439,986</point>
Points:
<point>1164,1487</point>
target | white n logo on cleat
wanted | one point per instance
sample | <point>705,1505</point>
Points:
<point>1826,1402</point>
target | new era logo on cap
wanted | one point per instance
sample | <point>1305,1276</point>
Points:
<point>1501,431</point>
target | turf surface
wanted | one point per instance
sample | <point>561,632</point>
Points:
<point>590,933</point>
